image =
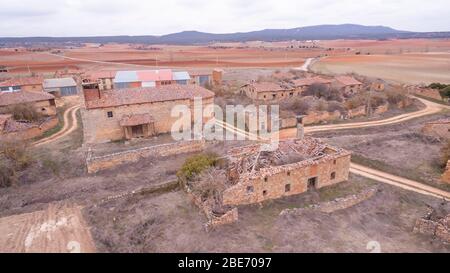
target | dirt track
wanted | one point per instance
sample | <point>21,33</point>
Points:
<point>70,124</point>
<point>58,229</point>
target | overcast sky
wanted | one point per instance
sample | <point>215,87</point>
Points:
<point>156,17</point>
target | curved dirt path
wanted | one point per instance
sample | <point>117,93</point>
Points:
<point>404,183</point>
<point>70,124</point>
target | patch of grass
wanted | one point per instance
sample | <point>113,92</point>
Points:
<point>384,167</point>
<point>51,165</point>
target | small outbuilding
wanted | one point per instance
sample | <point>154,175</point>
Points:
<point>61,87</point>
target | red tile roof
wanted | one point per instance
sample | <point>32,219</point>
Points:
<point>119,97</point>
<point>11,98</point>
<point>22,81</point>
<point>133,120</point>
<point>311,81</point>
<point>268,87</point>
<point>347,80</point>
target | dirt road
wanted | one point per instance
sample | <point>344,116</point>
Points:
<point>58,229</point>
<point>70,124</point>
<point>431,108</point>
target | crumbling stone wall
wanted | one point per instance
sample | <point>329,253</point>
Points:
<point>272,182</point>
<point>439,228</point>
<point>96,164</point>
<point>446,176</point>
<point>440,129</point>
<point>339,203</point>
<point>315,117</point>
<point>35,131</point>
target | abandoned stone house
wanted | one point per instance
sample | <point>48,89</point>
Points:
<point>267,91</point>
<point>302,85</point>
<point>101,80</point>
<point>30,84</point>
<point>439,129</point>
<point>348,85</point>
<point>296,166</point>
<point>42,102</point>
<point>138,113</point>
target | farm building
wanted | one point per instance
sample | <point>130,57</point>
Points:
<point>137,113</point>
<point>267,91</point>
<point>182,77</point>
<point>61,87</point>
<point>42,102</point>
<point>202,78</point>
<point>32,84</point>
<point>101,80</point>
<point>301,85</point>
<point>348,85</point>
<point>294,167</point>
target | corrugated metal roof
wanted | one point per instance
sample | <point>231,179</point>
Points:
<point>181,76</point>
<point>126,76</point>
<point>155,75</point>
<point>58,83</point>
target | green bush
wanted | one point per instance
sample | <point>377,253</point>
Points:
<point>445,93</point>
<point>195,165</point>
<point>437,85</point>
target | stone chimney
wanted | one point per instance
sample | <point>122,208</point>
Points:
<point>300,127</point>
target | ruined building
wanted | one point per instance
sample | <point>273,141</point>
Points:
<point>294,167</point>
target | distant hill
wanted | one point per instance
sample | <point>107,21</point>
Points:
<point>320,32</point>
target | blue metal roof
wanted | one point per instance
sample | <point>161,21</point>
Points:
<point>126,76</point>
<point>181,76</point>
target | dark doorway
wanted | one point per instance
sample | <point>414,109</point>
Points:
<point>312,184</point>
<point>137,131</point>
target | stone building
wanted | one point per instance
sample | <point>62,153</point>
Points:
<point>30,84</point>
<point>348,85</point>
<point>267,91</point>
<point>101,80</point>
<point>42,102</point>
<point>138,112</point>
<point>440,129</point>
<point>302,85</point>
<point>294,167</point>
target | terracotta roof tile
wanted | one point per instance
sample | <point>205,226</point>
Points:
<point>12,98</point>
<point>139,119</point>
<point>118,97</point>
<point>311,81</point>
<point>268,87</point>
<point>346,80</point>
<point>22,81</point>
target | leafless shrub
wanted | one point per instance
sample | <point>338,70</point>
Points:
<point>8,175</point>
<point>394,97</point>
<point>209,186</point>
<point>17,152</point>
<point>24,112</point>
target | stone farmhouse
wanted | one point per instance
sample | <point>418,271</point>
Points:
<point>302,85</point>
<point>267,91</point>
<point>137,112</point>
<point>30,84</point>
<point>348,85</point>
<point>42,102</point>
<point>296,166</point>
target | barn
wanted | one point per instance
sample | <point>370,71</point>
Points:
<point>61,86</point>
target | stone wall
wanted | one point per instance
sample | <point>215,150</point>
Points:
<point>33,132</point>
<point>339,203</point>
<point>321,116</point>
<point>437,129</point>
<point>427,92</point>
<point>99,128</point>
<point>96,164</point>
<point>446,176</point>
<point>381,109</point>
<point>275,185</point>
<point>439,228</point>
<point>357,112</point>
